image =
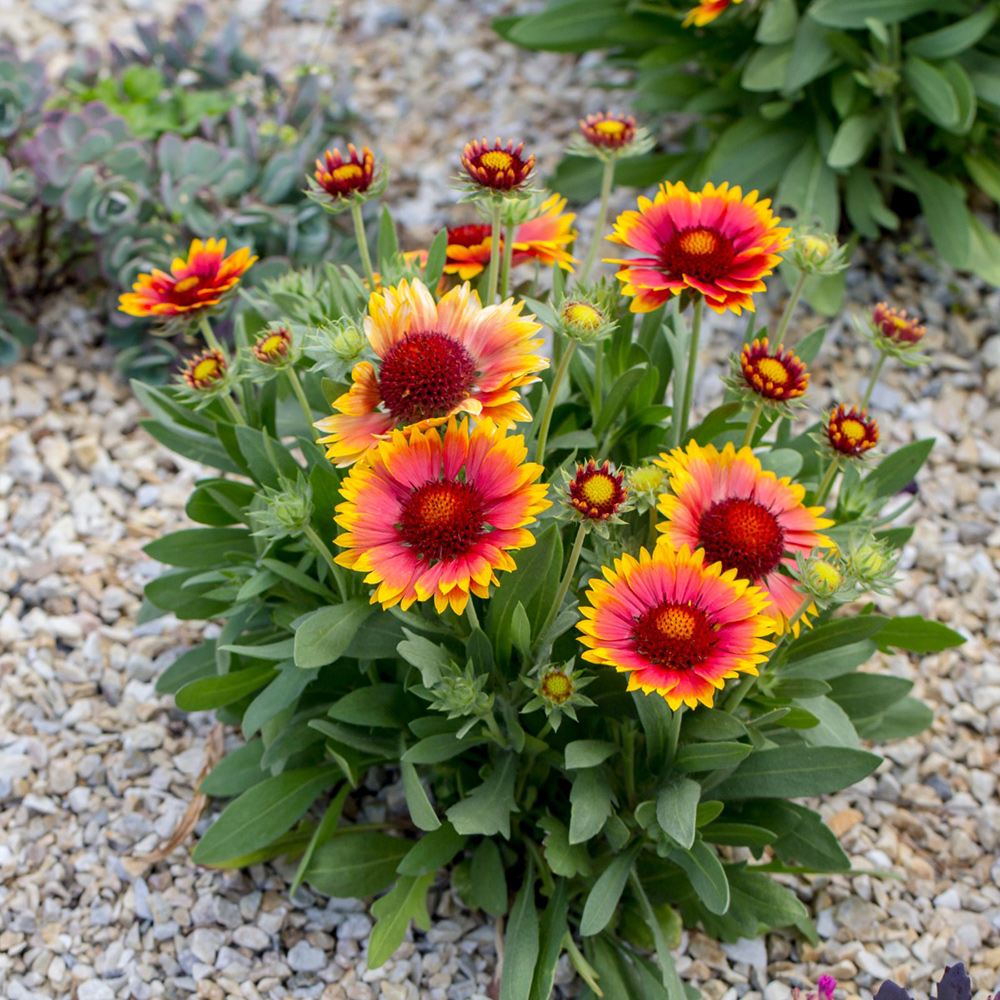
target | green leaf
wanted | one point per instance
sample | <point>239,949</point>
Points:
<point>590,804</point>
<point>486,809</point>
<point>235,773</point>
<point>432,851</point>
<point>835,634</point>
<point>602,901</point>
<point>430,658</point>
<point>190,666</point>
<point>917,635</point>
<point>588,753</point>
<point>419,805</point>
<point>407,901</point>
<point>356,864</point>
<point>706,875</point>
<point>552,932</point>
<point>865,694</point>
<point>267,458</point>
<point>712,724</point>
<point>943,203</point>
<point>985,174</point>
<point>766,902</point>
<point>853,139</point>
<point>857,13</point>
<point>262,814</point>
<point>219,502</point>
<point>489,881</point>
<point>565,859</point>
<point>714,756</point>
<point>219,691</point>
<point>521,943</point>
<point>752,153</point>
<point>200,547</point>
<point>812,56</point>
<point>810,187</point>
<point>834,728</point>
<point>388,241</point>
<point>766,68</point>
<point>618,397</point>
<point>569,27</point>
<point>811,843</point>
<point>865,205</point>
<point>325,635</point>
<point>793,771</point>
<point>322,834</point>
<point>193,445</point>
<point>778,22</point>
<point>954,38</point>
<point>677,809</point>
<point>282,692</point>
<point>439,747</point>
<point>907,717</point>
<point>932,91</point>
<point>831,662</point>
<point>378,705</point>
<point>738,834</point>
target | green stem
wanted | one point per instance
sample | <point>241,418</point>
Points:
<point>359,233</point>
<point>470,610</point>
<point>674,733</point>
<point>508,253</point>
<point>598,367</point>
<point>234,410</point>
<point>550,405</point>
<point>653,533</point>
<point>875,374</point>
<point>793,301</point>
<point>574,558</point>
<point>823,490</point>
<point>683,417</point>
<point>668,971</point>
<point>293,378</point>
<point>752,425</point>
<point>210,337</point>
<point>491,725</point>
<point>607,180</point>
<point>628,748</point>
<point>310,532</point>
<point>739,692</point>
<point>494,271</point>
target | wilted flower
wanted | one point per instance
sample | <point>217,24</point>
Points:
<point>714,242</point>
<point>707,12</point>
<point>850,432</point>
<point>338,183</point>
<point>818,253</point>
<point>497,168</point>
<point>194,286</point>
<point>557,690</point>
<point>775,378</point>
<point>206,371</point>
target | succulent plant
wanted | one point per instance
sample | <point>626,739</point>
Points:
<point>22,92</point>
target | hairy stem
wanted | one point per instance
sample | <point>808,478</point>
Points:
<point>574,558</point>
<point>793,301</point>
<point>607,180</point>
<point>550,405</point>
<point>293,378</point>
<point>310,532</point>
<point>874,378</point>
<point>683,417</point>
<point>752,425</point>
<point>359,233</point>
<point>508,253</point>
<point>494,272</point>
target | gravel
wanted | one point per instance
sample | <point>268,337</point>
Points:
<point>96,769</point>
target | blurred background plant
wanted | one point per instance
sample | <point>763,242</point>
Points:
<point>115,167</point>
<point>853,114</point>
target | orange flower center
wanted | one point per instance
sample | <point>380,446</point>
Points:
<point>697,252</point>
<point>742,534</point>
<point>497,159</point>
<point>610,126</point>
<point>556,687</point>
<point>773,371</point>
<point>673,635</point>
<point>347,173</point>
<point>442,519</point>
<point>427,374</point>
<point>854,431</point>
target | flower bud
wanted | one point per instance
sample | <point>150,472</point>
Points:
<point>584,321</point>
<point>206,371</point>
<point>818,253</point>
<point>556,686</point>
<point>274,346</point>
<point>646,483</point>
<point>823,578</point>
<point>285,511</point>
<point>896,327</point>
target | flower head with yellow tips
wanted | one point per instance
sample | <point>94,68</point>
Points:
<point>435,514</point>
<point>715,242</point>
<point>433,359</point>
<point>678,627</point>
<point>610,135</point>
<point>340,182</point>
<point>851,433</point>
<point>742,517</point>
<point>195,286</point>
<point>498,169</point>
<point>774,378</point>
<point>707,11</point>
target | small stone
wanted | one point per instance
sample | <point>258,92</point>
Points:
<point>871,964</point>
<point>748,951</point>
<point>356,927</point>
<point>94,989</point>
<point>949,899</point>
<point>776,990</point>
<point>305,958</point>
<point>251,937</point>
<point>858,915</point>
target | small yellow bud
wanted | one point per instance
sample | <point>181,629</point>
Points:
<point>647,479</point>
<point>824,579</point>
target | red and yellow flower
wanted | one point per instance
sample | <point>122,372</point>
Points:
<point>850,432</point>
<point>707,12</point>
<point>435,514</point>
<point>677,626</point>
<point>194,285</point>
<point>544,239</point>
<point>434,359</point>
<point>340,177</point>
<point>608,129</point>
<point>497,168</point>
<point>743,517</point>
<point>272,347</point>
<point>206,370</point>
<point>896,327</point>
<point>777,376</point>
<point>597,492</point>
<point>714,242</point>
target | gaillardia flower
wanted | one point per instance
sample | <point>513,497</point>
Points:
<point>778,376</point>
<point>345,178</point>
<point>434,359</point>
<point>497,168</point>
<point>436,513</point>
<point>608,130</point>
<point>896,327</point>
<point>597,492</point>
<point>205,371</point>
<point>742,517</point>
<point>194,286</point>
<point>850,432</point>
<point>714,242</point>
<point>544,238</point>
<point>707,11</point>
<point>677,626</point>
<point>272,347</point>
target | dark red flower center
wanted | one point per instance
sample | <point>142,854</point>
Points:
<point>742,534</point>
<point>442,519</point>
<point>192,289</point>
<point>425,375</point>
<point>470,236</point>
<point>673,635</point>
<point>699,252</point>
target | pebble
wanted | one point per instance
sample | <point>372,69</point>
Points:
<point>303,957</point>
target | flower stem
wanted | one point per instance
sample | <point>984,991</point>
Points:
<point>470,610</point>
<point>359,233</point>
<point>598,366</point>
<point>293,378</point>
<point>793,301</point>
<point>550,405</point>
<point>574,558</point>
<point>508,253</point>
<point>310,532</point>
<point>871,382</point>
<point>653,533</point>
<point>234,410</point>
<point>494,272</point>
<point>210,337</point>
<point>752,425</point>
<point>683,417</point>
<point>826,482</point>
<point>628,748</point>
<point>674,733</point>
<point>607,180</point>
